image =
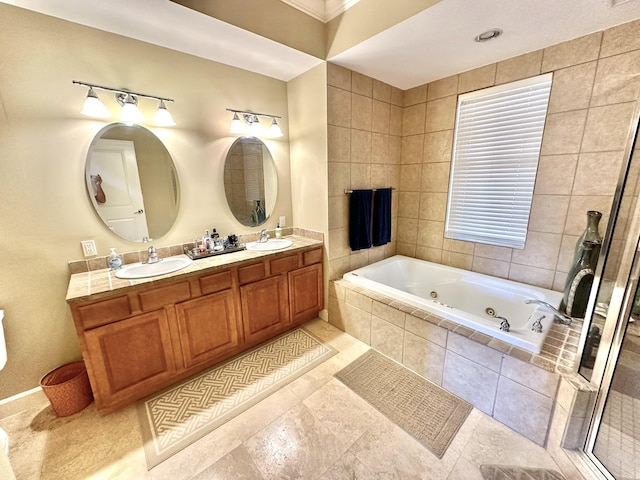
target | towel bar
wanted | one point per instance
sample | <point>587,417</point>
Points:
<point>347,192</point>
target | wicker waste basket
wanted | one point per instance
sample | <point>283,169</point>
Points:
<point>67,388</point>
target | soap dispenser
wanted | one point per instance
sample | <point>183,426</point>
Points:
<point>114,260</point>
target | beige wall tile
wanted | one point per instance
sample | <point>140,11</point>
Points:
<point>407,230</point>
<point>410,177</point>
<point>597,173</point>
<point>617,79</point>
<point>360,175</point>
<point>359,259</point>
<point>397,97</point>
<point>441,114</point>
<point>338,76</point>
<point>395,149</point>
<point>478,78</point>
<point>406,249</point>
<point>472,382</point>
<point>379,175</point>
<point>573,52</point>
<point>435,177</point>
<point>430,233</point>
<point>339,144</point>
<point>389,314</point>
<point>415,95</point>
<point>438,146</point>
<point>492,251</point>
<point>381,91</point>
<point>433,206</point>
<point>567,252</point>
<point>380,117</point>
<point>489,266</point>
<point>474,351</point>
<point>339,178</point>
<point>361,112</point>
<point>548,213</point>
<point>429,254</point>
<point>387,338</point>
<point>443,88</point>
<point>537,379</point>
<point>412,149</point>
<point>359,300</point>
<point>571,88</point>
<point>380,148</point>
<point>408,204</point>
<point>357,323</point>
<point>338,107</point>
<point>339,212</point>
<point>337,268</point>
<point>620,39</point>
<point>539,277</point>
<point>423,357</point>
<point>426,330</point>
<point>413,119</point>
<point>361,84</point>
<point>563,132</point>
<point>458,246</point>
<point>457,260</point>
<point>338,243</point>
<point>517,68</point>
<point>541,250</point>
<point>395,120</point>
<point>360,146</point>
<point>578,208</point>
<point>376,254</point>
<point>555,174</point>
<point>393,173</point>
<point>607,127</point>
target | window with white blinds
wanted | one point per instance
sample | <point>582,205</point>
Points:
<point>496,147</point>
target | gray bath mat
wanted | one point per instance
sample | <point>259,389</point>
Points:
<point>502,472</point>
<point>427,412</point>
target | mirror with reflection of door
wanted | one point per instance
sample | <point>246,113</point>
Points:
<point>611,353</point>
<point>250,181</point>
<point>132,182</point>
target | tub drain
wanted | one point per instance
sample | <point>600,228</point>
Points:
<point>490,311</point>
<point>434,294</point>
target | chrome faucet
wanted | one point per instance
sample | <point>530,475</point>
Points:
<point>264,236</point>
<point>558,317</point>
<point>153,255</point>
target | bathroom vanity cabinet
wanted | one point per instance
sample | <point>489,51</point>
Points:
<point>141,338</point>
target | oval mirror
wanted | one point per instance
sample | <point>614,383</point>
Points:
<point>250,181</point>
<point>132,182</point>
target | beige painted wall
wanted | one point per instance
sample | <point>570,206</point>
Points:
<point>44,207</point>
<point>595,89</point>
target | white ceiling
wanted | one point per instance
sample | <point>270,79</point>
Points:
<point>323,10</point>
<point>433,44</point>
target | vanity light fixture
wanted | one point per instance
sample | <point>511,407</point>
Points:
<point>93,107</point>
<point>252,125</point>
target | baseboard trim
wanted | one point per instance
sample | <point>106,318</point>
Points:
<point>22,401</point>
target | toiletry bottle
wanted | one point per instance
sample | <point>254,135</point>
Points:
<point>206,241</point>
<point>114,260</point>
<point>278,231</point>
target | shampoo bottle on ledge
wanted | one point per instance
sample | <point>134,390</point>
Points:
<point>278,231</point>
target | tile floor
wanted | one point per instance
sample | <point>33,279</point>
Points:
<point>313,428</point>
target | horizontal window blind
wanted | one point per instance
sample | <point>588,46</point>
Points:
<point>496,148</point>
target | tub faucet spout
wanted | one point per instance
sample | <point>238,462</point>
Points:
<point>558,317</point>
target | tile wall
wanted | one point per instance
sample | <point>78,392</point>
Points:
<point>373,141</point>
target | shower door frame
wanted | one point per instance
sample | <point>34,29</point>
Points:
<point>621,302</point>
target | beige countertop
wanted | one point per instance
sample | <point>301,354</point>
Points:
<point>96,283</point>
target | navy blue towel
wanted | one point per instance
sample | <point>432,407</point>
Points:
<point>381,228</point>
<point>360,219</point>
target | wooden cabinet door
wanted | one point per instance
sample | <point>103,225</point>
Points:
<point>208,327</point>
<point>265,308</point>
<point>305,293</point>
<point>127,359</point>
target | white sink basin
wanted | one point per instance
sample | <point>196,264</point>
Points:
<point>144,270</point>
<point>271,244</point>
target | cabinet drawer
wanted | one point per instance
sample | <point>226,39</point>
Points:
<point>284,264</point>
<point>311,257</point>
<point>251,273</point>
<point>106,311</point>
<point>216,282</point>
<point>159,297</point>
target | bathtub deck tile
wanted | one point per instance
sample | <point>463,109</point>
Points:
<point>464,331</point>
<point>543,362</point>
<point>385,312</point>
<point>499,345</point>
<point>448,324</point>
<point>481,338</point>
<point>520,354</point>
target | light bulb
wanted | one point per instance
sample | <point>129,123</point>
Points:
<point>274,130</point>
<point>163,118</point>
<point>236,124</point>
<point>130,113</point>
<point>93,107</point>
<point>255,128</point>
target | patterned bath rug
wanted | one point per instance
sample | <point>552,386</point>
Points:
<point>427,412</point>
<point>176,417</point>
<point>508,472</point>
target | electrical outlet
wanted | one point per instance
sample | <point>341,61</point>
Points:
<point>89,248</point>
<point>282,220</point>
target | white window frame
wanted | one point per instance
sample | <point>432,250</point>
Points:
<point>496,147</point>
